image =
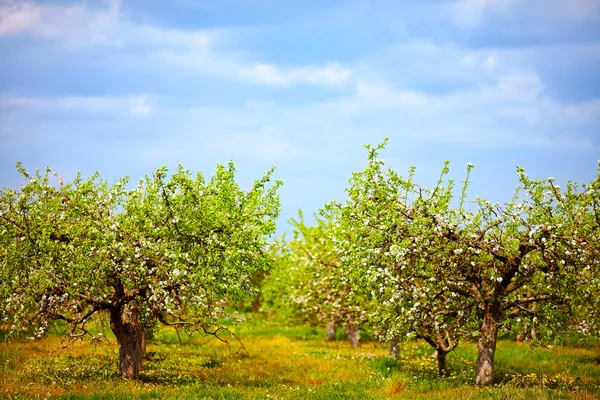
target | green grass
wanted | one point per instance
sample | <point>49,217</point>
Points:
<point>292,362</point>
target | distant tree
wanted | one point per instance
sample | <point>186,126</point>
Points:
<point>407,300</point>
<point>309,283</point>
<point>442,271</point>
<point>173,250</point>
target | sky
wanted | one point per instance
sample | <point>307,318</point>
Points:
<point>123,87</point>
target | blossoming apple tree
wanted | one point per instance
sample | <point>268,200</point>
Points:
<point>309,283</point>
<point>442,269</point>
<point>174,249</point>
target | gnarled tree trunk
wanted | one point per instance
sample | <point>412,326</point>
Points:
<point>486,346</point>
<point>353,334</point>
<point>440,356</point>
<point>129,333</point>
<point>394,348</point>
<point>331,330</point>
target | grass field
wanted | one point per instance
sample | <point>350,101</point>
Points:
<point>292,363</point>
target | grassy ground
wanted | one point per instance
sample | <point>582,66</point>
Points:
<point>292,363</point>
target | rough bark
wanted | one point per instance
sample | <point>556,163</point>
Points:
<point>441,359</point>
<point>486,346</point>
<point>353,334</point>
<point>129,333</point>
<point>331,330</point>
<point>394,349</point>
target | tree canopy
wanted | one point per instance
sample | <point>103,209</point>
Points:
<point>444,269</point>
<point>310,283</point>
<point>174,249</point>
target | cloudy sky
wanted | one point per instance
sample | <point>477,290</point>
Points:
<point>123,87</point>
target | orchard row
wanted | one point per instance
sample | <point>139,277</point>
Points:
<point>411,262</point>
<point>422,263</point>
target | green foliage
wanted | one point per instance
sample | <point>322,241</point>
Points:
<point>443,273</point>
<point>174,249</point>
<point>309,283</point>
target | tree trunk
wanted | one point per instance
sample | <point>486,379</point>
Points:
<point>486,347</point>
<point>353,334</point>
<point>534,335</point>
<point>522,335</point>
<point>394,348</point>
<point>331,330</point>
<point>441,359</point>
<point>125,325</point>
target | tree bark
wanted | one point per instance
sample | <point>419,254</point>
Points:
<point>353,334</point>
<point>486,346</point>
<point>534,334</point>
<point>441,359</point>
<point>394,349</point>
<point>331,330</point>
<point>129,333</point>
<point>522,335</point>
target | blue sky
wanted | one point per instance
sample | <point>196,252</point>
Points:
<point>123,87</point>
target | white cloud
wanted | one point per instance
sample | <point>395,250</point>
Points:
<point>471,13</point>
<point>210,62</point>
<point>520,87</point>
<point>155,37</point>
<point>480,60</point>
<point>511,111</point>
<point>18,18</point>
<point>194,50</point>
<point>141,105</point>
<point>136,105</point>
<point>481,92</point>
<point>75,24</point>
<point>327,75</point>
<point>585,112</point>
<point>376,96</point>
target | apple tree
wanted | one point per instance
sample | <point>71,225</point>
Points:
<point>309,283</point>
<point>442,269</point>
<point>175,249</point>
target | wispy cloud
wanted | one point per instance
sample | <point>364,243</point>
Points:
<point>139,105</point>
<point>471,13</point>
<point>506,81</point>
<point>74,23</point>
<point>585,112</point>
<point>224,66</point>
<point>194,50</point>
<point>571,9</point>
